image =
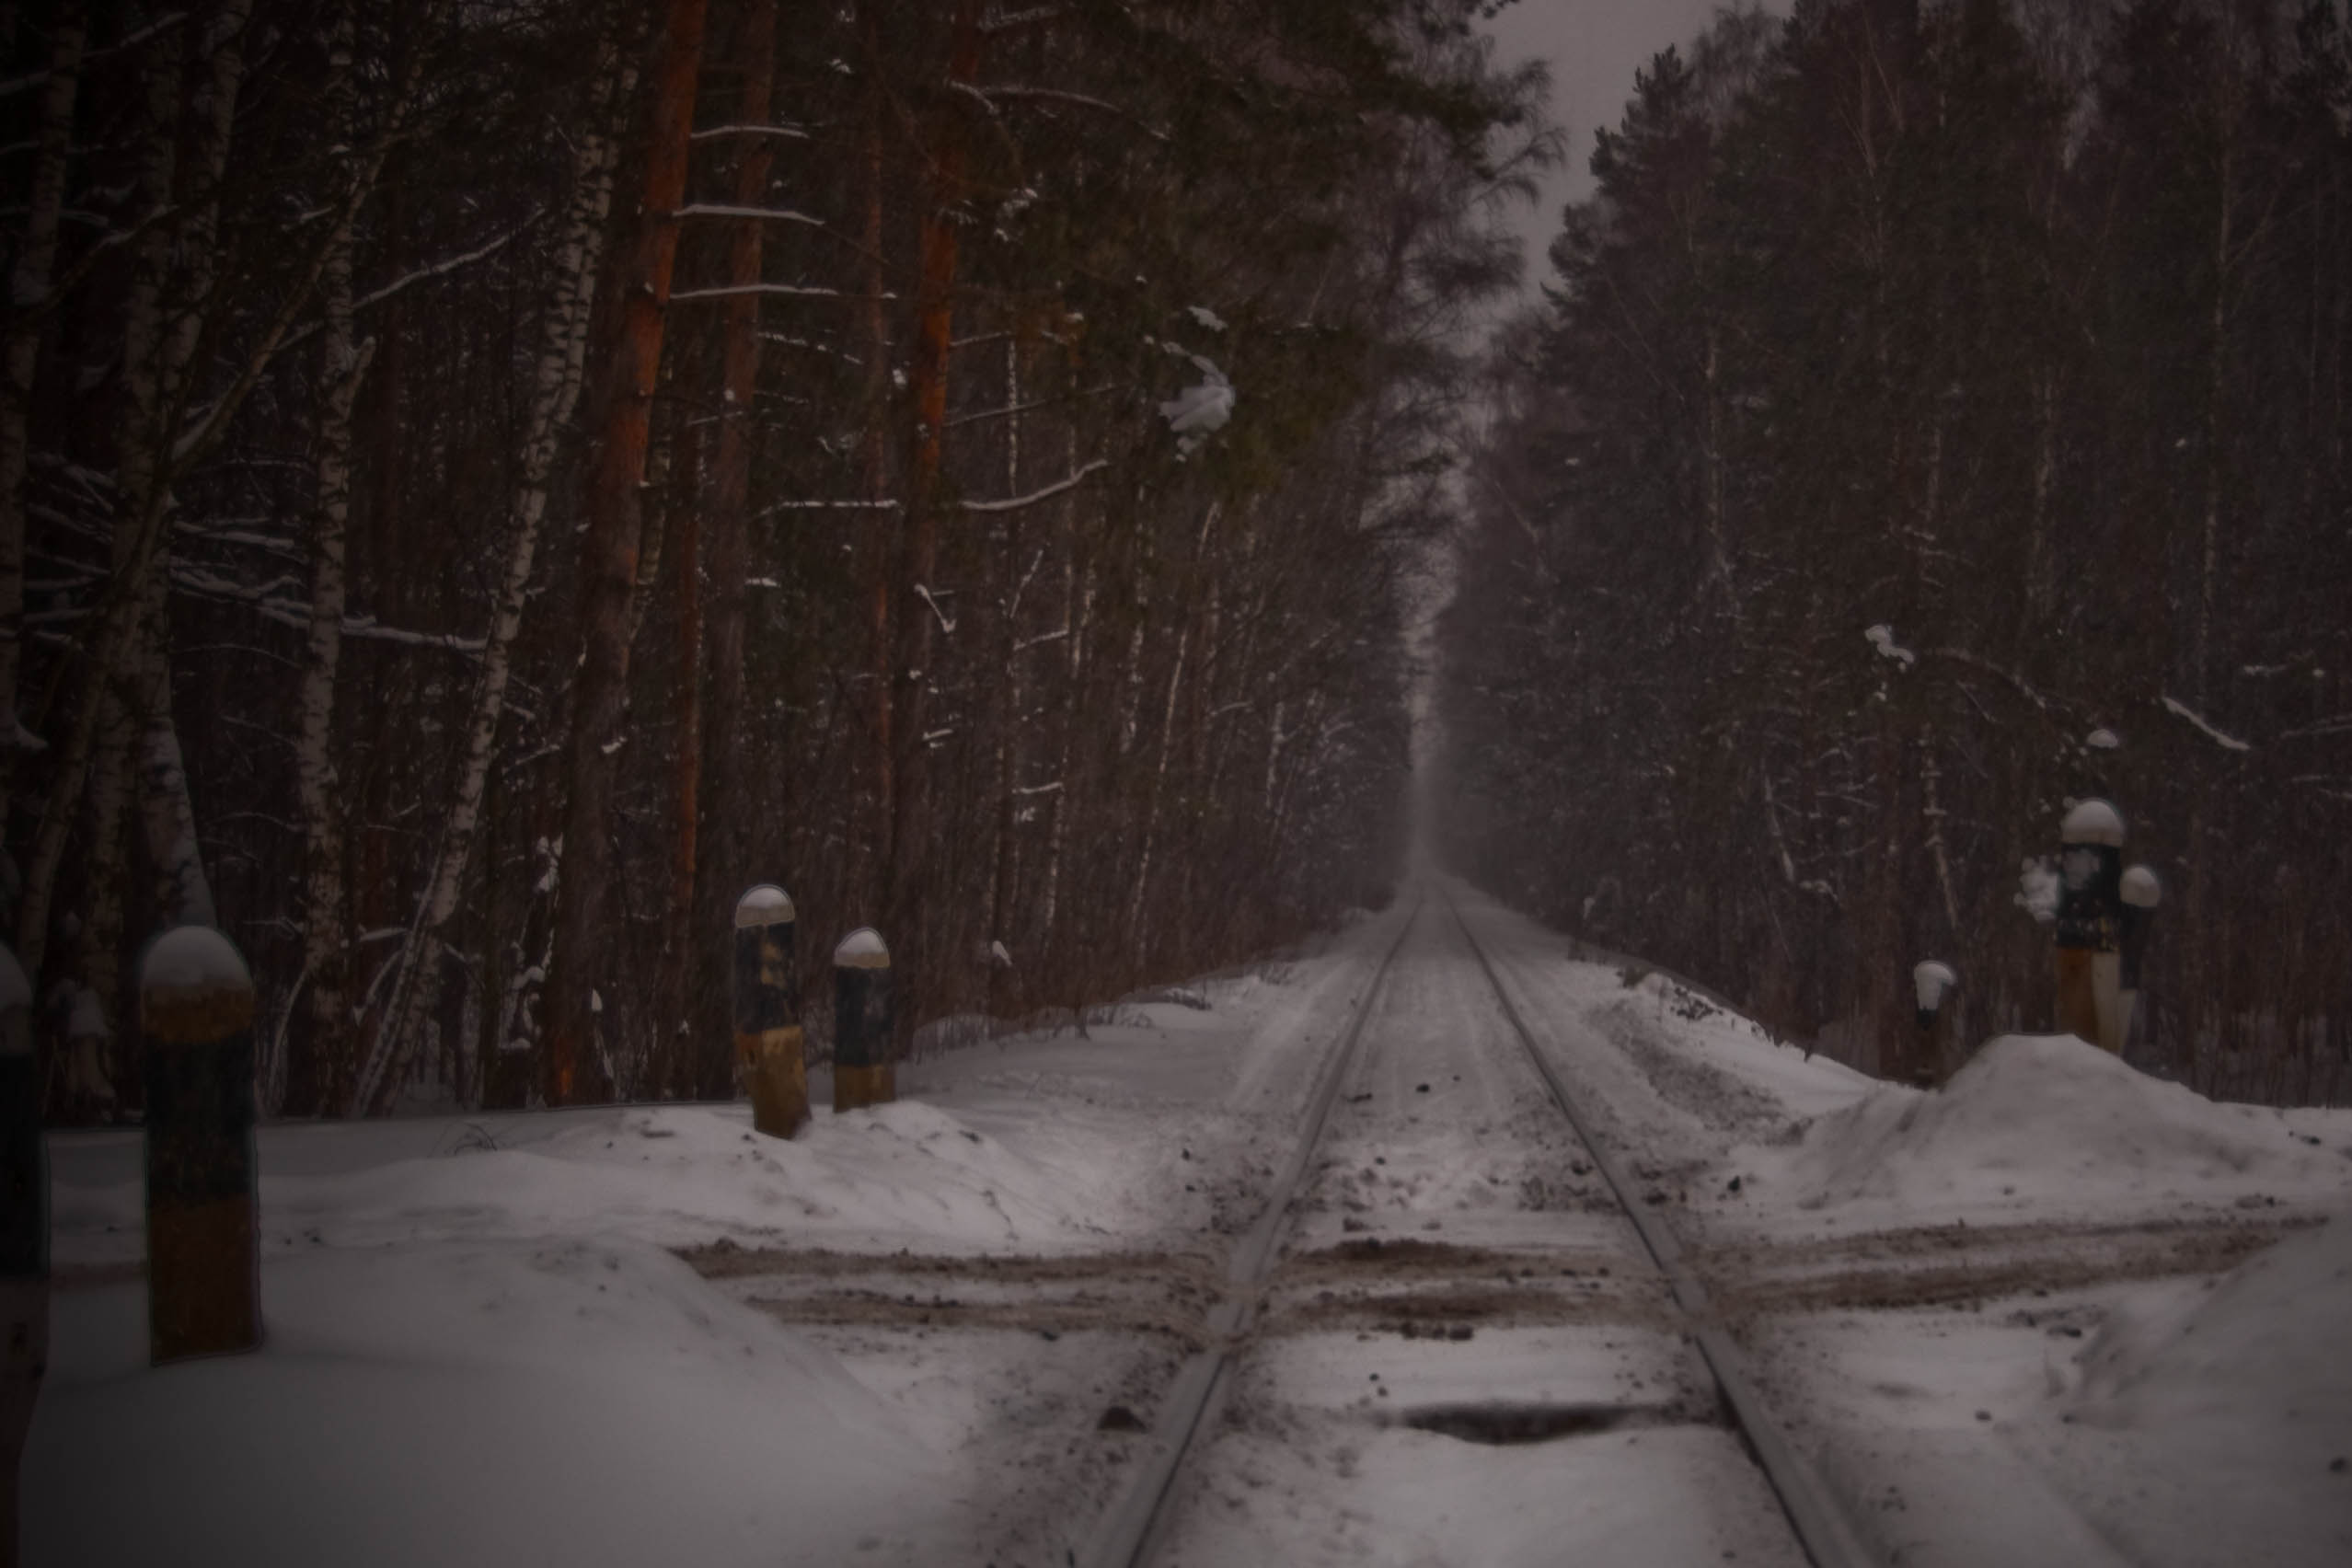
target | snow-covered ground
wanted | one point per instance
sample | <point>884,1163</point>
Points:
<point>2054,1312</point>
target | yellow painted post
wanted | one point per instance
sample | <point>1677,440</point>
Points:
<point>196,1024</point>
<point>863,1016</point>
<point>2090,923</point>
<point>24,1241</point>
<point>767,1012</point>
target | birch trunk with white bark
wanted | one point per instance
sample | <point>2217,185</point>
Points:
<point>556,381</point>
<point>326,910</point>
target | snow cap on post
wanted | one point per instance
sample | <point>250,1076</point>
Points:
<point>766,904</point>
<point>861,949</point>
<point>2140,888</point>
<point>2093,822</point>
<point>193,988</point>
<point>1931,980</point>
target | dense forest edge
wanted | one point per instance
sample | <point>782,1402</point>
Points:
<point>482,485</point>
<point>1940,415</point>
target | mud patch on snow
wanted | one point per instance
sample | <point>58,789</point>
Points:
<point>1954,1265</point>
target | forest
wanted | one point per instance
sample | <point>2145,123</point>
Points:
<point>1940,414</point>
<point>483,484</point>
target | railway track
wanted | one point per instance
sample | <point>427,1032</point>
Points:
<point>1446,1289</point>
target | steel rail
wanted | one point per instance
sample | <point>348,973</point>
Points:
<point>1828,1536</point>
<point>1127,1534</point>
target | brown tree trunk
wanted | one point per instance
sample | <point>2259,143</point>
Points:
<point>608,568</point>
<point>712,854</point>
<point>918,616</point>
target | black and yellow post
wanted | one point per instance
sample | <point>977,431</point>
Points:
<point>2141,894</point>
<point>1933,983</point>
<point>862,1074</point>
<point>24,1241</point>
<point>767,1012</point>
<point>2090,924</point>
<point>196,1024</point>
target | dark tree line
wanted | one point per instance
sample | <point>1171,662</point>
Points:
<point>1942,413</point>
<point>482,484</point>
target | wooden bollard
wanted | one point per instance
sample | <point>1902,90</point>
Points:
<point>1931,982</point>
<point>24,1241</point>
<point>2141,892</point>
<point>862,1074</point>
<point>196,1022</point>
<point>767,1012</point>
<point>2090,923</point>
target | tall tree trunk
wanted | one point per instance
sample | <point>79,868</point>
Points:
<point>918,617</point>
<point>326,910</point>
<point>870,820</point>
<point>137,482</point>
<point>28,304</point>
<point>608,568</point>
<point>556,382</point>
<point>712,849</point>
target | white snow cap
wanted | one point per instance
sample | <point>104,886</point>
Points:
<point>1199,410</point>
<point>2093,822</point>
<point>862,948</point>
<point>1206,317</point>
<point>1931,980</point>
<point>2038,891</point>
<point>2140,888</point>
<point>1881,637</point>
<point>193,958</point>
<point>16,991</point>
<point>2102,739</point>
<point>766,904</point>
<point>999,955</point>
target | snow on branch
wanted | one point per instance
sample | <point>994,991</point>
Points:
<point>447,264</point>
<point>1079,100</point>
<point>1015,504</point>
<point>130,39</point>
<point>829,505</point>
<point>1006,21</point>
<point>2024,689</point>
<point>2227,742</point>
<point>722,210</point>
<point>1881,637</point>
<point>785,132</point>
<point>736,290</point>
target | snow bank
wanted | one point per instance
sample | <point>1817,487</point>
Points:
<point>907,1175</point>
<point>2240,1397</point>
<point>2049,1115</point>
<point>493,1403</point>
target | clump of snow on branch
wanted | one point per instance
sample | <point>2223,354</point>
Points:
<point>2102,739</point>
<point>1881,637</point>
<point>2037,890</point>
<point>1201,410</point>
<point>1208,318</point>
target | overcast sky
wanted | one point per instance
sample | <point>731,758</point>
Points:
<point>1593,47</point>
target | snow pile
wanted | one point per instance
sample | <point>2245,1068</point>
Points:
<point>2241,1397</point>
<point>907,1175</point>
<point>2047,1116</point>
<point>492,1403</point>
